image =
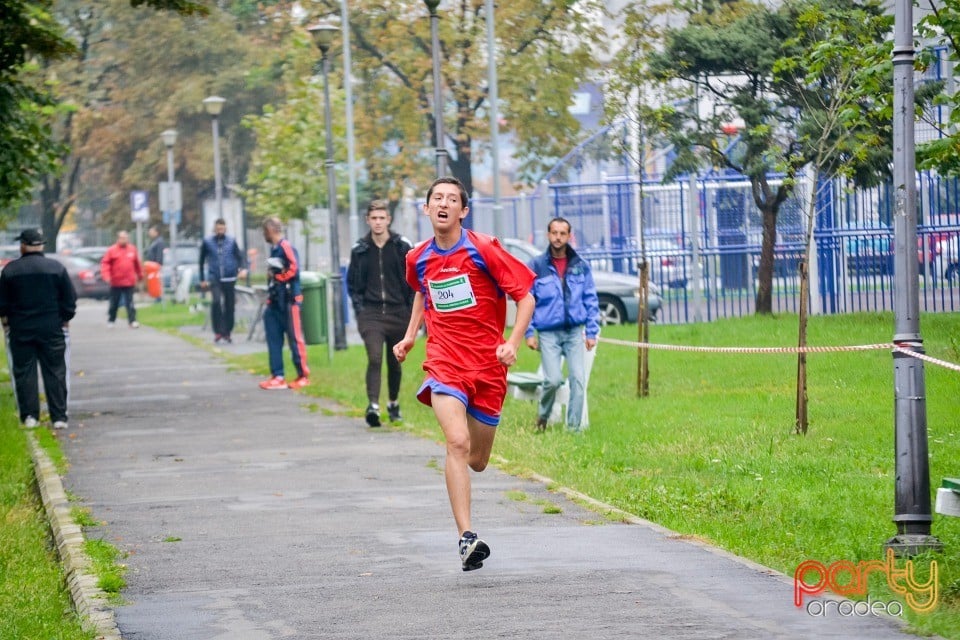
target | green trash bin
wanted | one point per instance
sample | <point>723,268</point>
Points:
<point>314,309</point>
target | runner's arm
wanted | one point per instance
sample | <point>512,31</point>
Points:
<point>402,348</point>
<point>507,352</point>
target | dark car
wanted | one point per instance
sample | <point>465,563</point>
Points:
<point>85,275</point>
<point>618,293</point>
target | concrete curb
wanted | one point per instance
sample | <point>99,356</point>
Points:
<point>88,599</point>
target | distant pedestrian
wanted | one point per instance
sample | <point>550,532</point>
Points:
<point>566,320</point>
<point>381,301</point>
<point>461,279</point>
<point>282,317</point>
<point>157,245</point>
<point>37,302</point>
<point>225,263</point>
<point>120,267</point>
<point>152,261</point>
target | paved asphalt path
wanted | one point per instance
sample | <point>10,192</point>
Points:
<point>252,515</point>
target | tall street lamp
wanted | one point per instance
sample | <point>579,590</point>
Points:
<point>323,35</point>
<point>437,98</point>
<point>169,138</point>
<point>912,517</point>
<point>214,105</point>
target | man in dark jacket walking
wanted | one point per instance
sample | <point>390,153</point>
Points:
<point>37,302</point>
<point>225,263</point>
<point>566,320</point>
<point>381,301</point>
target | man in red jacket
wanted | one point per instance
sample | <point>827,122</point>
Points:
<point>120,267</point>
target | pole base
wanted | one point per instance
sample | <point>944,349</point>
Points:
<point>908,545</point>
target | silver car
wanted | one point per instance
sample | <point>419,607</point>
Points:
<point>619,294</point>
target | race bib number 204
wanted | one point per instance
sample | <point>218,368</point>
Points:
<point>451,294</point>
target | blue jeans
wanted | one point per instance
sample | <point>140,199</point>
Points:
<point>567,343</point>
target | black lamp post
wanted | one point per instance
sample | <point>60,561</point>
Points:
<point>323,35</point>
<point>437,98</point>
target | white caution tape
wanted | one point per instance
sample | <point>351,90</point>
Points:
<point>807,349</point>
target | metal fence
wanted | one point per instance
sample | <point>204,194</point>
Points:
<point>714,218</point>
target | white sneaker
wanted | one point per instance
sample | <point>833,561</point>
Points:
<point>134,325</point>
<point>111,325</point>
<point>60,424</point>
<point>30,422</point>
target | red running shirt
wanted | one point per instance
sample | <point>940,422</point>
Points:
<point>464,291</point>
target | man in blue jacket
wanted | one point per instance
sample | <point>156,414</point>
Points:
<point>566,319</point>
<point>225,263</point>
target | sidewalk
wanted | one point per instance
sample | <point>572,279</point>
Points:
<point>251,515</point>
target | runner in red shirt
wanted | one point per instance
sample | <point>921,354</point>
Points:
<point>461,279</point>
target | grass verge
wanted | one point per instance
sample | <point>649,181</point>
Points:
<point>34,601</point>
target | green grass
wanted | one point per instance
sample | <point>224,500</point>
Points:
<point>34,602</point>
<point>105,565</point>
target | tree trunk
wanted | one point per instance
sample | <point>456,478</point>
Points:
<point>801,416</point>
<point>765,271</point>
<point>643,329</point>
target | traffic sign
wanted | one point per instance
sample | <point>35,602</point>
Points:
<point>139,206</point>
<point>171,199</point>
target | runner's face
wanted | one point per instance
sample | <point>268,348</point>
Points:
<point>379,221</point>
<point>445,207</point>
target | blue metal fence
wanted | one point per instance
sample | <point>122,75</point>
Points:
<point>716,217</point>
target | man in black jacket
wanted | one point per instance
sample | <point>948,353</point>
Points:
<point>37,302</point>
<point>381,302</point>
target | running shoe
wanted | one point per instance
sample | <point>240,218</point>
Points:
<point>393,411</point>
<point>473,551</point>
<point>300,382</point>
<point>273,383</point>
<point>373,415</point>
<point>30,422</point>
<point>60,424</point>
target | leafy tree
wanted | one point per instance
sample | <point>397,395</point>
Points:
<point>941,27</point>
<point>140,72</point>
<point>841,71</point>
<point>31,36</point>
<point>288,174</point>
<point>28,31</point>
<point>728,53</point>
<point>553,42</point>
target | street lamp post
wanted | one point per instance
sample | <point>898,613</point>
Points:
<point>323,35</point>
<point>169,138</point>
<point>214,105</point>
<point>912,516</point>
<point>437,98</point>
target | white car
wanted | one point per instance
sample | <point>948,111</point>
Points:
<point>619,294</point>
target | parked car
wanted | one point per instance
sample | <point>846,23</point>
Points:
<point>188,257</point>
<point>85,275</point>
<point>93,253</point>
<point>618,293</point>
<point>870,251</point>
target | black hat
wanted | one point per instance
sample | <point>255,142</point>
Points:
<point>31,237</point>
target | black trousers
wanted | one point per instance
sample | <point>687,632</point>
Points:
<point>223,299</point>
<point>380,330</point>
<point>124,294</point>
<point>50,352</point>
